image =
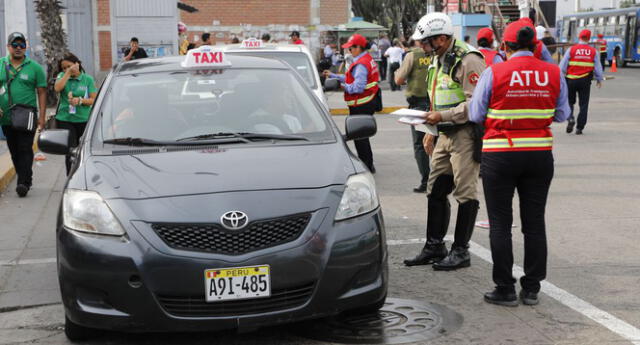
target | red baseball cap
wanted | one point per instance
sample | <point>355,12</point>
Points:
<point>600,35</point>
<point>485,33</point>
<point>511,32</point>
<point>586,34</point>
<point>528,22</point>
<point>355,40</point>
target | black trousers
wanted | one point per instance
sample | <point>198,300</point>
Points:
<point>383,68</point>
<point>421,156</point>
<point>603,59</point>
<point>582,88</point>
<point>392,80</point>
<point>20,145</point>
<point>76,130</point>
<point>530,172</point>
<point>363,146</point>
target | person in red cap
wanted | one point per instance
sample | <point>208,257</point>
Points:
<point>517,101</point>
<point>579,65</point>
<point>602,48</point>
<point>361,91</point>
<point>485,42</point>
<point>541,52</point>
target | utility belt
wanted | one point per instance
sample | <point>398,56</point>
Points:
<point>477,132</point>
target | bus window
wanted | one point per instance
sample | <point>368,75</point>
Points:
<point>581,23</point>
<point>591,22</point>
<point>623,19</point>
<point>601,21</point>
<point>612,20</point>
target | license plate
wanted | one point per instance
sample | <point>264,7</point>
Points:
<point>222,284</point>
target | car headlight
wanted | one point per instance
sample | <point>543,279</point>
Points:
<point>359,197</point>
<point>87,211</point>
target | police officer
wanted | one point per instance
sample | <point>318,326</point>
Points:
<point>579,65</point>
<point>452,77</point>
<point>485,46</point>
<point>361,91</point>
<point>517,101</point>
<point>602,48</point>
<point>413,72</point>
<point>22,81</point>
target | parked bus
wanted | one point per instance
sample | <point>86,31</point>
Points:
<point>619,27</point>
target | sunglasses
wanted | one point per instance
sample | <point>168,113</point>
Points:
<point>19,45</point>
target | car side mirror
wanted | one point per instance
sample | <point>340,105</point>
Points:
<point>331,84</point>
<point>54,141</point>
<point>360,127</point>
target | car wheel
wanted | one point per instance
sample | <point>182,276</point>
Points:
<point>75,332</point>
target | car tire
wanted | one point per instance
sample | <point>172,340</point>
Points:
<point>75,332</point>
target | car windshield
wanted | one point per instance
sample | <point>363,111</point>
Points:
<point>185,106</point>
<point>298,61</point>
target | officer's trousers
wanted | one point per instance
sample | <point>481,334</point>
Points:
<point>363,146</point>
<point>453,156</point>
<point>603,59</point>
<point>582,88</point>
<point>422,159</point>
<point>530,172</point>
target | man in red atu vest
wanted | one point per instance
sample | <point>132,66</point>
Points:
<point>602,48</point>
<point>579,65</point>
<point>361,90</point>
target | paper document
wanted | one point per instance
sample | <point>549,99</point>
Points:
<point>409,112</point>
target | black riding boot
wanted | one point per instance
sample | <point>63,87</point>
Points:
<point>438,214</point>
<point>459,255</point>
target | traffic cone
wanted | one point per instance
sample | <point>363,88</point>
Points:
<point>614,65</point>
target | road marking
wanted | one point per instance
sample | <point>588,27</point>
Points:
<point>27,262</point>
<point>612,323</point>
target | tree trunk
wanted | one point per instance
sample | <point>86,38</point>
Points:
<point>54,41</point>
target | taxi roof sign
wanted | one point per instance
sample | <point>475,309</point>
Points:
<point>205,56</point>
<point>252,43</point>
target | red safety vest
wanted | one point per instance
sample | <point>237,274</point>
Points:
<point>581,61</point>
<point>489,55</point>
<point>603,45</point>
<point>538,51</point>
<point>522,105</point>
<point>370,90</point>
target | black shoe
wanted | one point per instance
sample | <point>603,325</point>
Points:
<point>570,124</point>
<point>22,190</point>
<point>430,253</point>
<point>528,297</point>
<point>501,298</point>
<point>578,131</point>
<point>420,189</point>
<point>457,258</point>
<point>372,169</point>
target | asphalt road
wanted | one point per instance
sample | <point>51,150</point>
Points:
<point>592,291</point>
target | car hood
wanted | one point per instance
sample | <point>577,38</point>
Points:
<point>153,175</point>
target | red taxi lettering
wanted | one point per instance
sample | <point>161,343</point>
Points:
<point>207,57</point>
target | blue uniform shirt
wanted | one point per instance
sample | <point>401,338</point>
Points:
<point>546,56</point>
<point>597,68</point>
<point>359,75</point>
<point>482,96</point>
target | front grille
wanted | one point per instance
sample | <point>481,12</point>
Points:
<point>196,306</point>
<point>213,238</point>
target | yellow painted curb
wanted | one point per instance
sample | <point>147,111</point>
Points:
<point>345,111</point>
<point>7,172</point>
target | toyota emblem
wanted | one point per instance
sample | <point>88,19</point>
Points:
<point>234,220</point>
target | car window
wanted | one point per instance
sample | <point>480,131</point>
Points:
<point>298,61</point>
<point>171,106</point>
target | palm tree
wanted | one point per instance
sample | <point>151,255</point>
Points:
<point>53,39</point>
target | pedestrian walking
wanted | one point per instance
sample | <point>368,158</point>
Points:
<point>394,58</point>
<point>361,90</point>
<point>383,45</point>
<point>455,161</point>
<point>485,46</point>
<point>77,93</point>
<point>579,65</point>
<point>413,73</point>
<point>135,52</point>
<point>22,94</point>
<point>517,101</point>
<point>602,48</point>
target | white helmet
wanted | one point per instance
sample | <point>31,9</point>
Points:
<point>433,24</point>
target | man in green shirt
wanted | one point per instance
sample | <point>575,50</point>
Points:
<point>413,72</point>
<point>27,78</point>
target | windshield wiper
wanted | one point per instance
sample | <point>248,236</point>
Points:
<point>218,135</point>
<point>272,136</point>
<point>244,136</point>
<point>135,142</point>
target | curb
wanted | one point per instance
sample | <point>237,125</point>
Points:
<point>345,111</point>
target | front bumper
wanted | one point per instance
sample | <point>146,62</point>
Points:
<point>119,284</point>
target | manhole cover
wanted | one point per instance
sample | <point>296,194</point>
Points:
<point>399,321</point>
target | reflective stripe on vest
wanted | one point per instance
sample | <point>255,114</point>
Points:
<point>370,85</point>
<point>520,114</point>
<point>517,143</point>
<point>578,63</point>
<point>578,76</point>
<point>360,101</point>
